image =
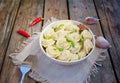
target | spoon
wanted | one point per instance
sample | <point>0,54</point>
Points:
<point>24,68</point>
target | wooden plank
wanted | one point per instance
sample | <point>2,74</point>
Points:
<point>8,11</point>
<point>109,11</point>
<point>56,9</point>
<point>79,9</point>
<point>28,11</point>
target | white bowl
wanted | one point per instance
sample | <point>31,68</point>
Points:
<point>60,61</point>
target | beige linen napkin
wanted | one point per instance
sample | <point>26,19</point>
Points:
<point>45,70</point>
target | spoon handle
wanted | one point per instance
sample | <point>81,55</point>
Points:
<point>21,81</point>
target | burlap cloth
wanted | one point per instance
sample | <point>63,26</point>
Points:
<point>45,70</point>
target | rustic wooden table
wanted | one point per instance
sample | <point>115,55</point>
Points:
<point>17,14</point>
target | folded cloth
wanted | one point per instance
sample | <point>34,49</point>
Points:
<point>46,70</point>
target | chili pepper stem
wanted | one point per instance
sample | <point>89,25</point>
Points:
<point>43,18</point>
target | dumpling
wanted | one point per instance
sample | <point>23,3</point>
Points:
<point>53,52</point>
<point>61,42</point>
<point>48,33</point>
<point>65,56</point>
<point>75,37</point>
<point>70,27</point>
<point>60,34</point>
<point>47,42</point>
<point>76,49</point>
<point>74,57</point>
<point>88,45</point>
<point>82,54</point>
<point>86,34</point>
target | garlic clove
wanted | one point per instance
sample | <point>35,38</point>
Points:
<point>91,20</point>
<point>101,42</point>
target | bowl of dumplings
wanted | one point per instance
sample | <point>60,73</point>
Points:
<point>67,41</point>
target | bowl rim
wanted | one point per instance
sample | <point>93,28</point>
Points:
<point>60,61</point>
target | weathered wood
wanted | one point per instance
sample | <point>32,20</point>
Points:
<point>56,9</point>
<point>108,10</point>
<point>8,11</point>
<point>28,11</point>
<point>79,9</point>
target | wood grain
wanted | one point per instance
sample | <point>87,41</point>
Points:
<point>18,14</point>
<point>8,11</point>
<point>28,11</point>
<point>80,9</point>
<point>108,10</point>
<point>56,9</point>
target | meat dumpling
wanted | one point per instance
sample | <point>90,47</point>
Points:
<point>88,45</point>
<point>65,55</point>
<point>47,42</point>
<point>74,57</point>
<point>69,26</point>
<point>86,34</point>
<point>74,37</point>
<point>61,42</point>
<point>53,52</point>
<point>60,34</point>
<point>82,54</point>
<point>76,49</point>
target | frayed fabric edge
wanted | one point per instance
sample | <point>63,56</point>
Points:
<point>94,68</point>
<point>14,57</point>
<point>34,75</point>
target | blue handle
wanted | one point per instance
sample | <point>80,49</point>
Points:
<point>21,81</point>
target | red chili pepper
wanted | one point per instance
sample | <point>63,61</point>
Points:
<point>25,34</point>
<point>37,20</point>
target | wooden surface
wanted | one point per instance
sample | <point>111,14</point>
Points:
<point>111,29</point>
<point>17,14</point>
